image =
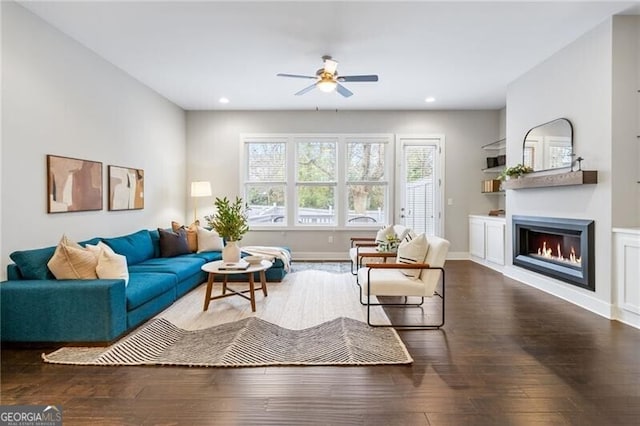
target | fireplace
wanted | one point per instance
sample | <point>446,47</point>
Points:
<point>559,248</point>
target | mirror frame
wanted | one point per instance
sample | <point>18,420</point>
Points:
<point>524,142</point>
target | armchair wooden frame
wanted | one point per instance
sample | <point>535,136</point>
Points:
<point>363,242</point>
<point>423,266</point>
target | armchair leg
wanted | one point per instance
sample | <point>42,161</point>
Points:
<point>368,304</point>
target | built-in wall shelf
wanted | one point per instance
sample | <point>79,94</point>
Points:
<point>581,177</point>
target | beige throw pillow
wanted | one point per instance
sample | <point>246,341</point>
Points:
<point>192,234</point>
<point>411,252</point>
<point>72,261</point>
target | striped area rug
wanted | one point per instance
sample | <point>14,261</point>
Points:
<point>311,318</point>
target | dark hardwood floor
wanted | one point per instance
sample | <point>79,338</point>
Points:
<point>508,355</point>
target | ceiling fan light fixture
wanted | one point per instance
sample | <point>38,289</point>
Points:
<point>430,99</point>
<point>327,86</point>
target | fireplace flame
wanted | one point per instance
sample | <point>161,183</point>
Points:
<point>547,252</point>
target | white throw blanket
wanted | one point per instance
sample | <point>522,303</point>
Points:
<point>270,252</point>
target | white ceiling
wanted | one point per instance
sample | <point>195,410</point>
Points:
<point>462,53</point>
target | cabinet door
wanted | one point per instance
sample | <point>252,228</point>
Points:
<point>495,242</point>
<point>476,237</point>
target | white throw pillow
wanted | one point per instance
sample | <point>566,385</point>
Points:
<point>411,252</point>
<point>408,235</point>
<point>98,248</point>
<point>381,236</point>
<point>112,266</point>
<point>209,240</point>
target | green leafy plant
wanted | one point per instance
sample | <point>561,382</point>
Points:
<point>515,171</point>
<point>390,244</point>
<point>230,220</point>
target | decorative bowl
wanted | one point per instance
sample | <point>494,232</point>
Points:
<point>253,260</point>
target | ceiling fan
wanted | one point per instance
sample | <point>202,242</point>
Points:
<point>327,79</point>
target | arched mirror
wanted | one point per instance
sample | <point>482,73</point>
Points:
<point>549,145</point>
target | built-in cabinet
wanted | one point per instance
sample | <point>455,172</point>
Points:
<point>626,275</point>
<point>487,240</point>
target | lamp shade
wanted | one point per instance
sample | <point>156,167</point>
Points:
<point>201,189</point>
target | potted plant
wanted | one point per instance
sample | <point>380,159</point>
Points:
<point>231,223</point>
<point>515,171</point>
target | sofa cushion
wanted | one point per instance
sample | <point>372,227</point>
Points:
<point>144,286</point>
<point>33,263</point>
<point>136,247</point>
<point>183,266</point>
<point>173,243</point>
<point>72,261</point>
<point>208,256</point>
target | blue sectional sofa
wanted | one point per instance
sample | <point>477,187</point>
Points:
<point>35,307</point>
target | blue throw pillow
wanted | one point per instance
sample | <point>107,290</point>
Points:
<point>33,263</point>
<point>136,247</point>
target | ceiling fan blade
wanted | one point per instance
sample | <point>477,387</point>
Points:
<point>372,77</point>
<point>343,90</point>
<point>306,89</point>
<point>295,76</point>
<point>330,66</point>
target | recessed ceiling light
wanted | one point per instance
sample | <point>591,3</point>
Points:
<point>223,100</point>
<point>430,99</point>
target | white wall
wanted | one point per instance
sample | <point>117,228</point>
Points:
<point>575,83</point>
<point>60,98</point>
<point>213,140</point>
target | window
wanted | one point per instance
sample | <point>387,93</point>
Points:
<point>366,182</point>
<point>317,180</point>
<point>265,182</point>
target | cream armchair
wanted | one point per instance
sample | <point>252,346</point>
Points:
<point>387,279</point>
<point>363,250</point>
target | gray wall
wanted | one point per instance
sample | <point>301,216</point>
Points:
<point>60,98</point>
<point>213,140</point>
<point>577,83</point>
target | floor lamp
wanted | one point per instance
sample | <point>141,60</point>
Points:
<point>198,190</point>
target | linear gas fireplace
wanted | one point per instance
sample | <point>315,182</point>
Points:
<point>559,248</point>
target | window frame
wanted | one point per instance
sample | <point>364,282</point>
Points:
<point>340,194</point>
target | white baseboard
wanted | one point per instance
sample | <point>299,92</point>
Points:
<point>344,256</point>
<point>561,290</point>
<point>458,255</point>
<point>630,318</point>
<point>341,256</point>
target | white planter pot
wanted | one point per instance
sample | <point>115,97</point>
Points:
<point>231,252</point>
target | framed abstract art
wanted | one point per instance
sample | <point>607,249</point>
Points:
<point>73,185</point>
<point>126,188</point>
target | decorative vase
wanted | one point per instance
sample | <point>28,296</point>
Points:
<point>231,252</point>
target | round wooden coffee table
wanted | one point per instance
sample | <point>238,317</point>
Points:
<point>213,268</point>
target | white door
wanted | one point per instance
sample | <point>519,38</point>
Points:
<point>420,186</point>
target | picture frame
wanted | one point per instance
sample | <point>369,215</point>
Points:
<point>73,184</point>
<point>126,188</point>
